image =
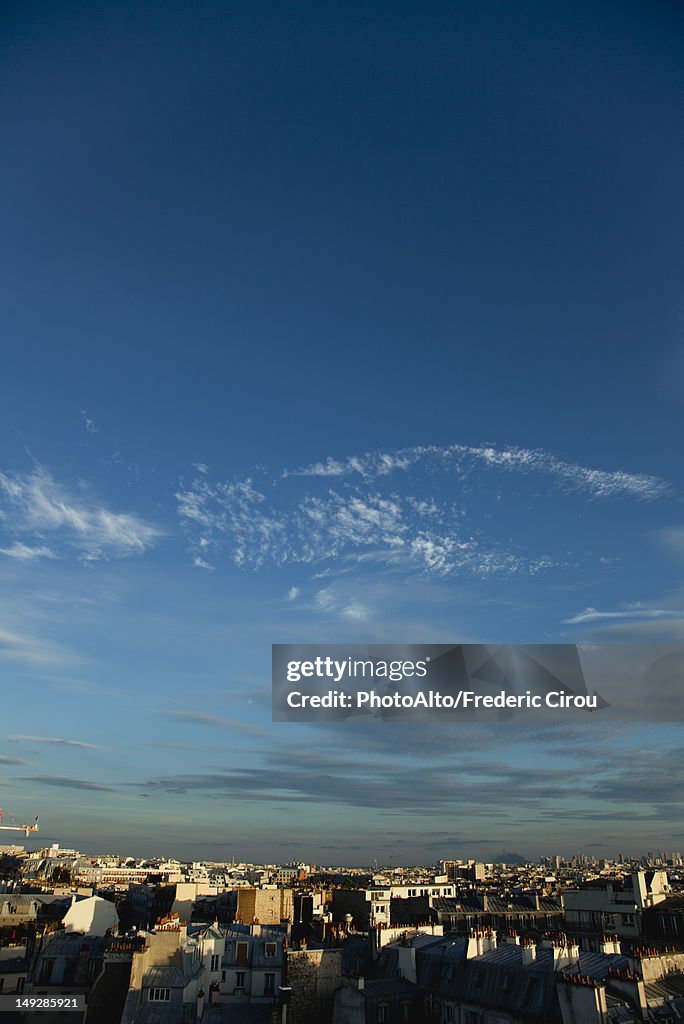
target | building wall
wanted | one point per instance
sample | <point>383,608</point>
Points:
<point>254,964</point>
<point>582,1004</point>
<point>17,911</point>
<point>266,906</point>
<point>350,1007</point>
<point>93,916</point>
<point>13,980</point>
<point>653,968</point>
<point>162,950</point>
<point>188,893</point>
<point>314,976</point>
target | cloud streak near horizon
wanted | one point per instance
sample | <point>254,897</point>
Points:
<point>485,779</point>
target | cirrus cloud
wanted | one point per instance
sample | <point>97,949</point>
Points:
<point>406,509</point>
<point>36,506</point>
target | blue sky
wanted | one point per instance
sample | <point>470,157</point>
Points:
<point>333,323</point>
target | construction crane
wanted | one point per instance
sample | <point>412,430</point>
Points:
<point>17,826</point>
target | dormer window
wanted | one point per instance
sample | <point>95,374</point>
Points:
<point>160,995</point>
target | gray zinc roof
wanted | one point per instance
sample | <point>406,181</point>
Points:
<point>164,977</point>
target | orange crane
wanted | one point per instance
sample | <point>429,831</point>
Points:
<point>16,826</point>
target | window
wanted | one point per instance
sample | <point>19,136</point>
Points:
<point>383,1013</point>
<point>269,984</point>
<point>241,952</point>
<point>240,979</point>
<point>529,992</point>
<point>46,972</point>
<point>223,975</point>
<point>449,1014</point>
<point>160,995</point>
<point>270,949</point>
<point>2,983</point>
<point>215,961</point>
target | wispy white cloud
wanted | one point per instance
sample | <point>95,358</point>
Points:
<point>56,741</point>
<point>27,553</point>
<point>630,612</point>
<point>598,483</point>
<point>33,651</point>
<point>200,563</point>
<point>351,526</point>
<point>403,509</point>
<point>235,510</point>
<point>671,539</point>
<point>293,593</point>
<point>235,725</point>
<point>36,505</point>
<point>370,465</point>
<point>76,685</point>
<point>356,611</point>
<point>89,423</point>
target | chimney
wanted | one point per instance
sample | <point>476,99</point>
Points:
<point>473,945</point>
<point>529,953</point>
<point>564,955</point>
<point>582,998</point>
<point>407,962</point>
<point>285,995</point>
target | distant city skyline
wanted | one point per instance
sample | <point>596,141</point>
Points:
<point>502,858</point>
<point>334,326</point>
